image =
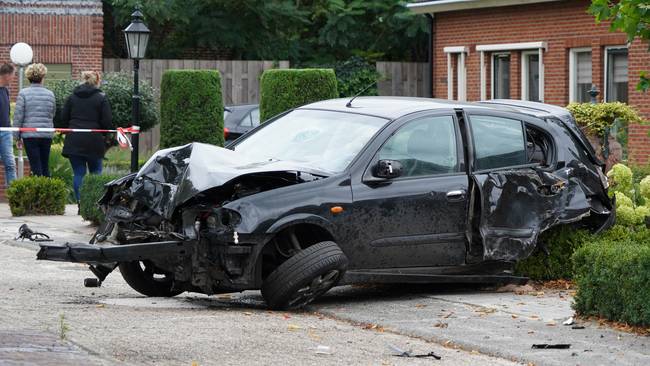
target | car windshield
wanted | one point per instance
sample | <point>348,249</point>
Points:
<point>324,140</point>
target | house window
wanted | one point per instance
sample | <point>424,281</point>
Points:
<point>530,76</point>
<point>501,76</point>
<point>616,74</point>
<point>460,55</point>
<point>580,75</point>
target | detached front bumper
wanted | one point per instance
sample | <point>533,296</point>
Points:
<point>105,254</point>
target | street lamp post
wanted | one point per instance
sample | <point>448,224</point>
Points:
<point>137,37</point>
<point>21,54</point>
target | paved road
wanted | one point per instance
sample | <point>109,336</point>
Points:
<point>113,325</point>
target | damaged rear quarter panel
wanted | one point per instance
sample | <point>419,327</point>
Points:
<point>518,204</point>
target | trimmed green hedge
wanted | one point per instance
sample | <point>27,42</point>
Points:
<point>613,277</point>
<point>90,192</point>
<point>285,89</point>
<point>191,108</point>
<point>561,242</point>
<point>37,196</point>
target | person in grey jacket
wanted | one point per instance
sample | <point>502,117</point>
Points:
<point>35,107</point>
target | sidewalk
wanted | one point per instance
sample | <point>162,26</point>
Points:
<point>61,228</point>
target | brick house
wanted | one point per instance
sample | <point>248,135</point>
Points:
<point>542,50</point>
<point>66,35</point>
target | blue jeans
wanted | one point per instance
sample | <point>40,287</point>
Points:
<point>38,153</point>
<point>80,166</point>
<point>7,155</point>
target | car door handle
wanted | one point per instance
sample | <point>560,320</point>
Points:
<point>456,195</point>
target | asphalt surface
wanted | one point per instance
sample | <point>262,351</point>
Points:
<point>46,314</point>
<point>48,318</point>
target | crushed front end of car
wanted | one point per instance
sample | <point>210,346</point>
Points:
<point>172,228</point>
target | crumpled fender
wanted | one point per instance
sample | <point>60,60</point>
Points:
<point>300,219</point>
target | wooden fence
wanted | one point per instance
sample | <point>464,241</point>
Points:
<point>407,79</point>
<point>240,81</point>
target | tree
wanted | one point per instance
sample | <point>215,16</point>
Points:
<point>303,31</point>
<point>629,16</point>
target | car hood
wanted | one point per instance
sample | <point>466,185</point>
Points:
<point>174,176</point>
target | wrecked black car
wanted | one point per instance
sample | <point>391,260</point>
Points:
<point>376,190</point>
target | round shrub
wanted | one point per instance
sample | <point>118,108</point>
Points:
<point>599,117</point>
<point>92,189</point>
<point>644,188</point>
<point>37,196</point>
<point>623,200</point>
<point>625,216</point>
<point>285,89</point>
<point>191,108</point>
<point>620,179</point>
<point>118,87</point>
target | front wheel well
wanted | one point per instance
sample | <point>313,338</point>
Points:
<point>287,242</point>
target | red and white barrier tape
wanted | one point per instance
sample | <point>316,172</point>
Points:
<point>120,132</point>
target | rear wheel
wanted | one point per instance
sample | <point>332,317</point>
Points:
<point>147,279</point>
<point>305,276</point>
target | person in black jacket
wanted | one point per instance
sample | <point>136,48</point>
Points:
<point>87,107</point>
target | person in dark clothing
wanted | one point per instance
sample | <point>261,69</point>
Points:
<point>87,107</point>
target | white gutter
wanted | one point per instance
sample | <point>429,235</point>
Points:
<point>451,5</point>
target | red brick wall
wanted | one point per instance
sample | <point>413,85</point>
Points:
<point>639,144</point>
<point>67,39</point>
<point>563,25</point>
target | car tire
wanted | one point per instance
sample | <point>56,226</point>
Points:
<point>145,282</point>
<point>305,276</point>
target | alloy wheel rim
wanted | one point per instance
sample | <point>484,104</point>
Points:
<point>315,288</point>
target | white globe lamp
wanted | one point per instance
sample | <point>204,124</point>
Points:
<point>21,54</point>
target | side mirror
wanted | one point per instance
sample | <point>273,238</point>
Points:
<point>388,169</point>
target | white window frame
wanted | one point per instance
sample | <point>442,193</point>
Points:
<point>461,70</point>
<point>573,70</point>
<point>541,47</point>
<point>524,75</point>
<point>492,70</point>
<point>606,66</point>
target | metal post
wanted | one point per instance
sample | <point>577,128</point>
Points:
<point>20,165</point>
<point>136,118</point>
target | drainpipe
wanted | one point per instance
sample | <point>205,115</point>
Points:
<point>429,74</point>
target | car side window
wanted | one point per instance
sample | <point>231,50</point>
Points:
<point>246,121</point>
<point>498,142</point>
<point>255,117</point>
<point>425,146</point>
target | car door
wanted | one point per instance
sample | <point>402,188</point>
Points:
<point>520,190</point>
<point>419,218</point>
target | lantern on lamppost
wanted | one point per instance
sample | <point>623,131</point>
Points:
<point>137,37</point>
<point>21,54</point>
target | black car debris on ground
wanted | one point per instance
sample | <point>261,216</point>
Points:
<point>383,189</point>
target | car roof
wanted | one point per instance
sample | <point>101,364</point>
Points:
<point>536,109</point>
<point>395,107</point>
<point>389,107</point>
